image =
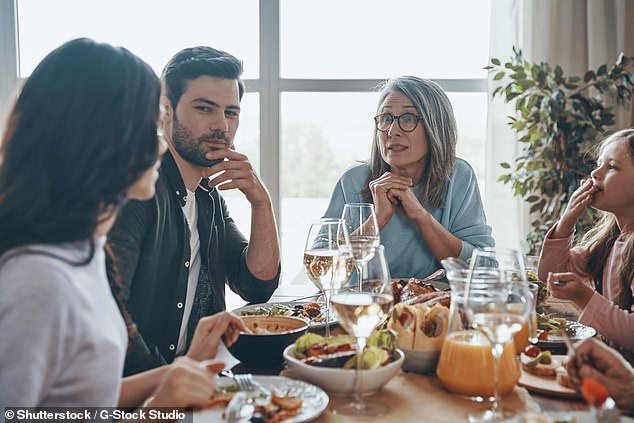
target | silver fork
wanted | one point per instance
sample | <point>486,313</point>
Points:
<point>238,380</point>
<point>245,381</point>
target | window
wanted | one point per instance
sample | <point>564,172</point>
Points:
<point>154,30</point>
<point>354,39</point>
<point>307,114</point>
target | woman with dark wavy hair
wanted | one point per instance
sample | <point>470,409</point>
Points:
<point>81,138</point>
<point>427,201</point>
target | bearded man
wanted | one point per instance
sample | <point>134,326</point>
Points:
<point>175,252</point>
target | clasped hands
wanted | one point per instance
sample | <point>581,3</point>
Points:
<point>392,191</point>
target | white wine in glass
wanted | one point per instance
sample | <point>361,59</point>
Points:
<point>360,309</point>
<point>363,230</point>
<point>327,258</point>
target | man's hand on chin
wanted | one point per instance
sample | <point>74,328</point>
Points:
<point>237,172</point>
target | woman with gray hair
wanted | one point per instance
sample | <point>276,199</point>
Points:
<point>427,201</point>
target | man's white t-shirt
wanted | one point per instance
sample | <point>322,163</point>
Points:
<point>191,215</point>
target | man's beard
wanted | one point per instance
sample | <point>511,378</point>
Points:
<point>191,149</point>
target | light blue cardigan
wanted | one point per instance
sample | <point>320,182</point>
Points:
<point>407,251</point>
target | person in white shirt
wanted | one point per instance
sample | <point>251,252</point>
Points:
<point>80,140</point>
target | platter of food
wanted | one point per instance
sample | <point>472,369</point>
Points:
<point>550,328</point>
<point>545,373</point>
<point>311,311</point>
<point>292,401</point>
<point>571,416</point>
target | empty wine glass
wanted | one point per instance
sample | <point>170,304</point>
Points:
<point>360,309</point>
<point>363,230</point>
<point>498,303</point>
<point>328,259</point>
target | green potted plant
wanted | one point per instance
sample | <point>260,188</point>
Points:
<point>559,120</point>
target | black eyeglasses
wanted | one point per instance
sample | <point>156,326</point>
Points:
<point>407,121</point>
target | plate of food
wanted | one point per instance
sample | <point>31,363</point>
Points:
<point>545,373</point>
<point>571,416</point>
<point>311,311</point>
<point>292,401</point>
<point>550,328</point>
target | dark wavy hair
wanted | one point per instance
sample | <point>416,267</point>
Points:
<point>194,62</point>
<point>81,133</point>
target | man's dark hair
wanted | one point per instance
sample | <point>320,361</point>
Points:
<point>194,62</point>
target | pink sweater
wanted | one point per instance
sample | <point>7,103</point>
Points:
<point>602,311</point>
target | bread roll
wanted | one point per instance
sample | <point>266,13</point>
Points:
<point>431,327</point>
<point>403,321</point>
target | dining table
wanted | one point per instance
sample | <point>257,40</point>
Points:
<point>413,397</point>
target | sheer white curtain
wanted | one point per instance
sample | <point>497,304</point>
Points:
<point>577,35</point>
<point>8,59</point>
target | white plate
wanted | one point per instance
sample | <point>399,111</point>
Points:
<point>249,309</point>
<point>547,385</point>
<point>556,341</point>
<point>578,417</point>
<point>315,400</point>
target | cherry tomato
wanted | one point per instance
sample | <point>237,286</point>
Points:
<point>594,392</point>
<point>542,335</point>
<point>532,350</point>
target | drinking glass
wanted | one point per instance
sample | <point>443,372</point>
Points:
<point>498,303</point>
<point>363,229</point>
<point>328,259</point>
<point>360,309</point>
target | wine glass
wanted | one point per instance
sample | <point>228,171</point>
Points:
<point>498,303</point>
<point>328,259</point>
<point>360,309</point>
<point>363,229</point>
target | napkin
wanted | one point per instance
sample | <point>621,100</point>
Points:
<point>223,354</point>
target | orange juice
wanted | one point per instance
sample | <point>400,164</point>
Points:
<point>521,338</point>
<point>466,365</point>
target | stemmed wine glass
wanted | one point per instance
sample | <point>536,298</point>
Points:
<point>327,258</point>
<point>360,309</point>
<point>363,229</point>
<point>498,303</point>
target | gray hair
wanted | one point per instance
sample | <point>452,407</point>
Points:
<point>441,133</point>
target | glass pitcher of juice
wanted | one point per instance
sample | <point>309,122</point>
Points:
<point>528,333</point>
<point>465,366</point>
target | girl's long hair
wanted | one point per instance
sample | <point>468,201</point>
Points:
<point>441,132</point>
<point>601,238</point>
<point>81,133</point>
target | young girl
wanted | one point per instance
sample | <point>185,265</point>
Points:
<point>598,274</point>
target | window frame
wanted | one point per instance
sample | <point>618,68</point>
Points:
<point>270,86</point>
